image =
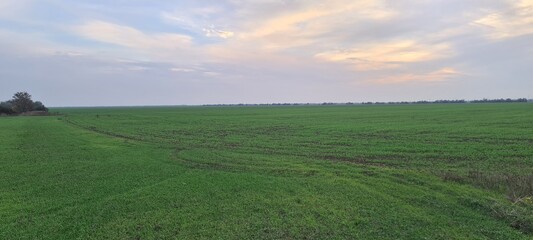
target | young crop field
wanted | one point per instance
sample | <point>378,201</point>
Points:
<point>435,171</point>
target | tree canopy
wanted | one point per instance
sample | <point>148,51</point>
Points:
<point>20,103</point>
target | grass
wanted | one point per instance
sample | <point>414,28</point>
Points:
<point>345,172</point>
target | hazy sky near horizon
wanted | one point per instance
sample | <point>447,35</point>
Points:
<point>156,52</point>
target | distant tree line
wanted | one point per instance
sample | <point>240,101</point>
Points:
<point>21,103</point>
<point>501,100</point>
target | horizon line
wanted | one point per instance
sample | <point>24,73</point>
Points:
<point>440,101</point>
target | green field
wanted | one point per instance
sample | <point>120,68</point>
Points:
<point>450,171</point>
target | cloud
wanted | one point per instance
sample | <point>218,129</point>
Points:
<point>298,25</point>
<point>212,74</point>
<point>131,37</point>
<point>138,68</point>
<point>515,21</point>
<point>199,20</point>
<point>386,55</point>
<point>441,75</point>
<point>11,8</point>
<point>211,32</point>
<point>157,47</point>
<point>317,12</point>
<point>184,70</point>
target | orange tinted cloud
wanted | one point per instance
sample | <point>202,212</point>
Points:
<point>300,27</point>
<point>441,75</point>
<point>386,55</point>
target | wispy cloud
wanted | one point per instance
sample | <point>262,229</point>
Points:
<point>212,32</point>
<point>199,19</point>
<point>307,24</point>
<point>516,20</point>
<point>183,70</point>
<point>131,37</point>
<point>169,47</point>
<point>11,8</point>
<point>440,75</point>
<point>387,55</point>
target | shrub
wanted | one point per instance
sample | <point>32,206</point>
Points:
<point>39,106</point>
<point>6,108</point>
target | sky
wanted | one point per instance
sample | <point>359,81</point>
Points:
<point>163,52</point>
